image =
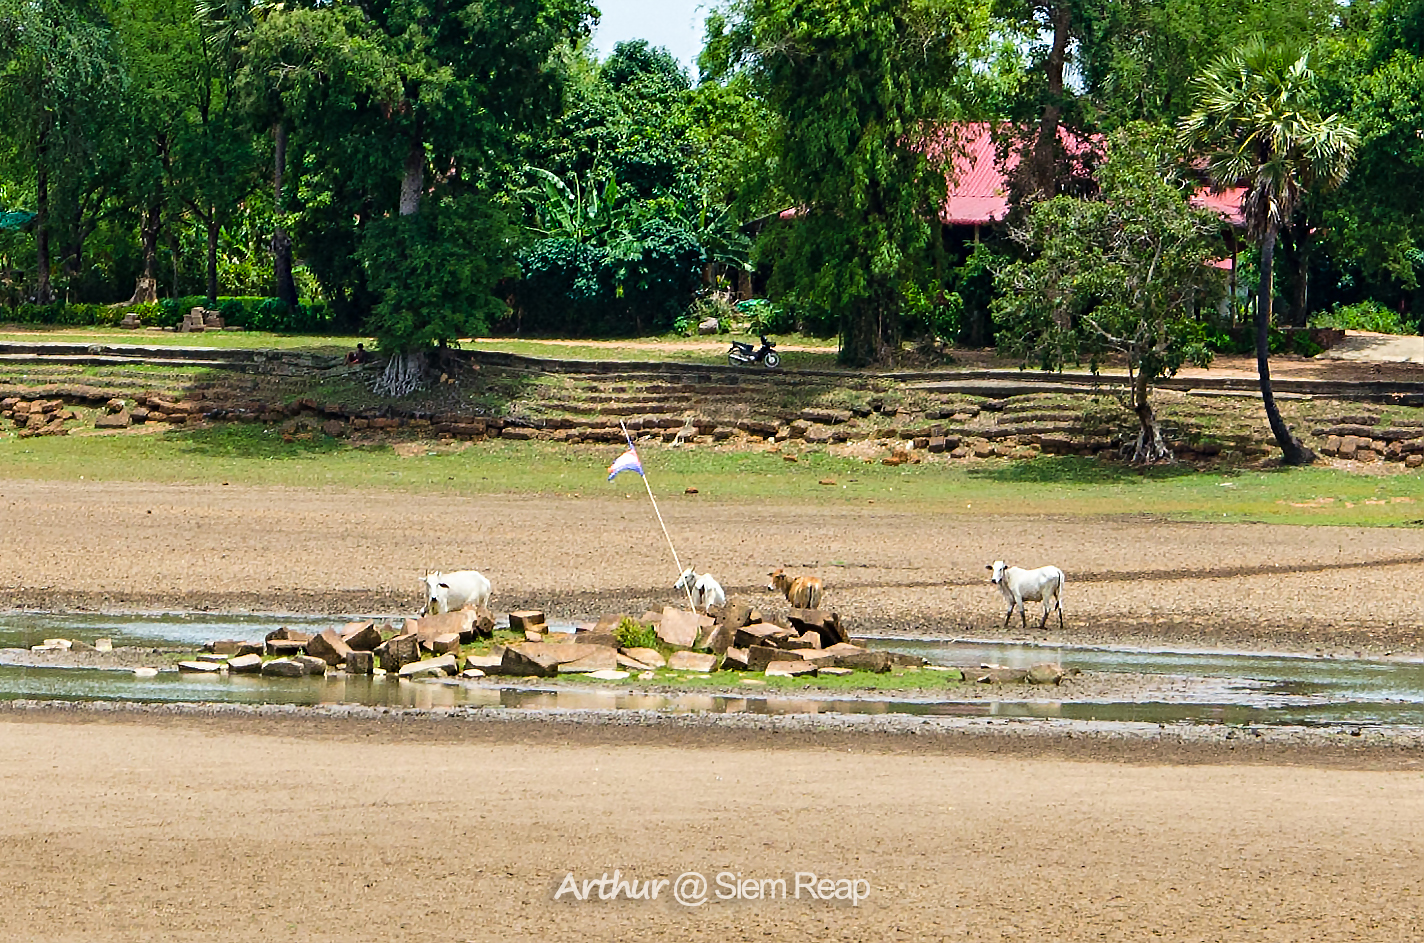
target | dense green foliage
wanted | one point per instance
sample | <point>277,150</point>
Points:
<point>1124,272</point>
<point>425,170</point>
<point>861,94</point>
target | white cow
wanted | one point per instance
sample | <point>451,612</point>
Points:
<point>706,591</point>
<point>447,592</point>
<point>1044,585</point>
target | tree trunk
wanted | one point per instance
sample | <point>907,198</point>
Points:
<point>214,230</point>
<point>1292,451</point>
<point>1151,447</point>
<point>44,291</point>
<point>413,180</point>
<point>146,289</point>
<point>860,335</point>
<point>1301,296</point>
<point>1045,149</point>
<point>286,286</point>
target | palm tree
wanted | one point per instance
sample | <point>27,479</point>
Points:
<point>1256,124</point>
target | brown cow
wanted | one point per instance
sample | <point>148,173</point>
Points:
<point>803,592</point>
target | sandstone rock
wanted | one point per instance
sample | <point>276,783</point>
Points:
<point>790,669</point>
<point>735,659</point>
<point>361,636</point>
<point>223,647</point>
<point>76,645</point>
<point>692,661</point>
<point>526,619</point>
<point>360,662</point>
<point>397,652</point>
<point>199,667</point>
<point>145,672</point>
<point>245,664</point>
<point>466,623</point>
<point>209,657</point>
<point>600,659</point>
<point>58,643</point>
<point>1413,460</point>
<point>283,668</point>
<point>902,660</point>
<point>649,657</point>
<point>828,417</point>
<point>708,326</point>
<point>757,633</point>
<point>118,420</point>
<point>334,428</point>
<point>431,667</point>
<point>532,635</point>
<point>608,675</point>
<point>329,647</point>
<point>103,645</point>
<point>282,648</point>
<point>824,623</point>
<point>472,673</point>
<point>1045,673</point>
<point>312,664</point>
<point>759,656</point>
<point>606,639</point>
<point>1003,676</point>
<point>447,644</point>
<point>487,664</point>
<point>542,659</point>
<point>717,639</point>
<point>609,623</point>
<point>836,671</point>
<point>678,627</point>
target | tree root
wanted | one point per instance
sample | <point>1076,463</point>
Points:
<point>404,374</point>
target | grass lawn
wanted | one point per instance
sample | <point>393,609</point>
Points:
<point>219,339</point>
<point>1048,485</point>
<point>822,352</point>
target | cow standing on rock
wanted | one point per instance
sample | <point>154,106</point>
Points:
<point>447,592</point>
<point>704,590</point>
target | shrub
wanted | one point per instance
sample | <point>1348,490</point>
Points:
<point>631,633</point>
<point>1362,316</point>
<point>763,317</point>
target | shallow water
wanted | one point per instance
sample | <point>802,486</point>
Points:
<point>1225,687</point>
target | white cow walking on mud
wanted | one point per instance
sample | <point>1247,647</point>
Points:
<point>447,592</point>
<point>1044,585</point>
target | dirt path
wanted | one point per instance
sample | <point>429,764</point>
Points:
<point>141,546</point>
<point>191,829</point>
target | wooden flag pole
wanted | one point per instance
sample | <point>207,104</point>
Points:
<point>687,589</point>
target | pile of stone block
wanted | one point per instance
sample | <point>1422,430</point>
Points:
<point>36,417</point>
<point>1363,441</point>
<point>418,648</point>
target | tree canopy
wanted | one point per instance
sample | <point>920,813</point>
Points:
<point>400,167</point>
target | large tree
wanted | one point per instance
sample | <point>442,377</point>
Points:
<point>862,92</point>
<point>58,76</point>
<point>1257,125</point>
<point>1123,273</point>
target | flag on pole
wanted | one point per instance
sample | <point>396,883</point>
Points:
<point>628,461</point>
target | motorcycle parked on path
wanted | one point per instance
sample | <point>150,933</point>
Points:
<point>743,353</point>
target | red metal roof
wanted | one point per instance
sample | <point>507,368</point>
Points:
<point>979,192</point>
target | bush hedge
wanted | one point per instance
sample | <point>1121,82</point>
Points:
<point>253,313</point>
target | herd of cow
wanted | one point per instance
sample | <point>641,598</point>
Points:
<point>469,589</point>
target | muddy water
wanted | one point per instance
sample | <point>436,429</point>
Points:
<point>1196,687</point>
